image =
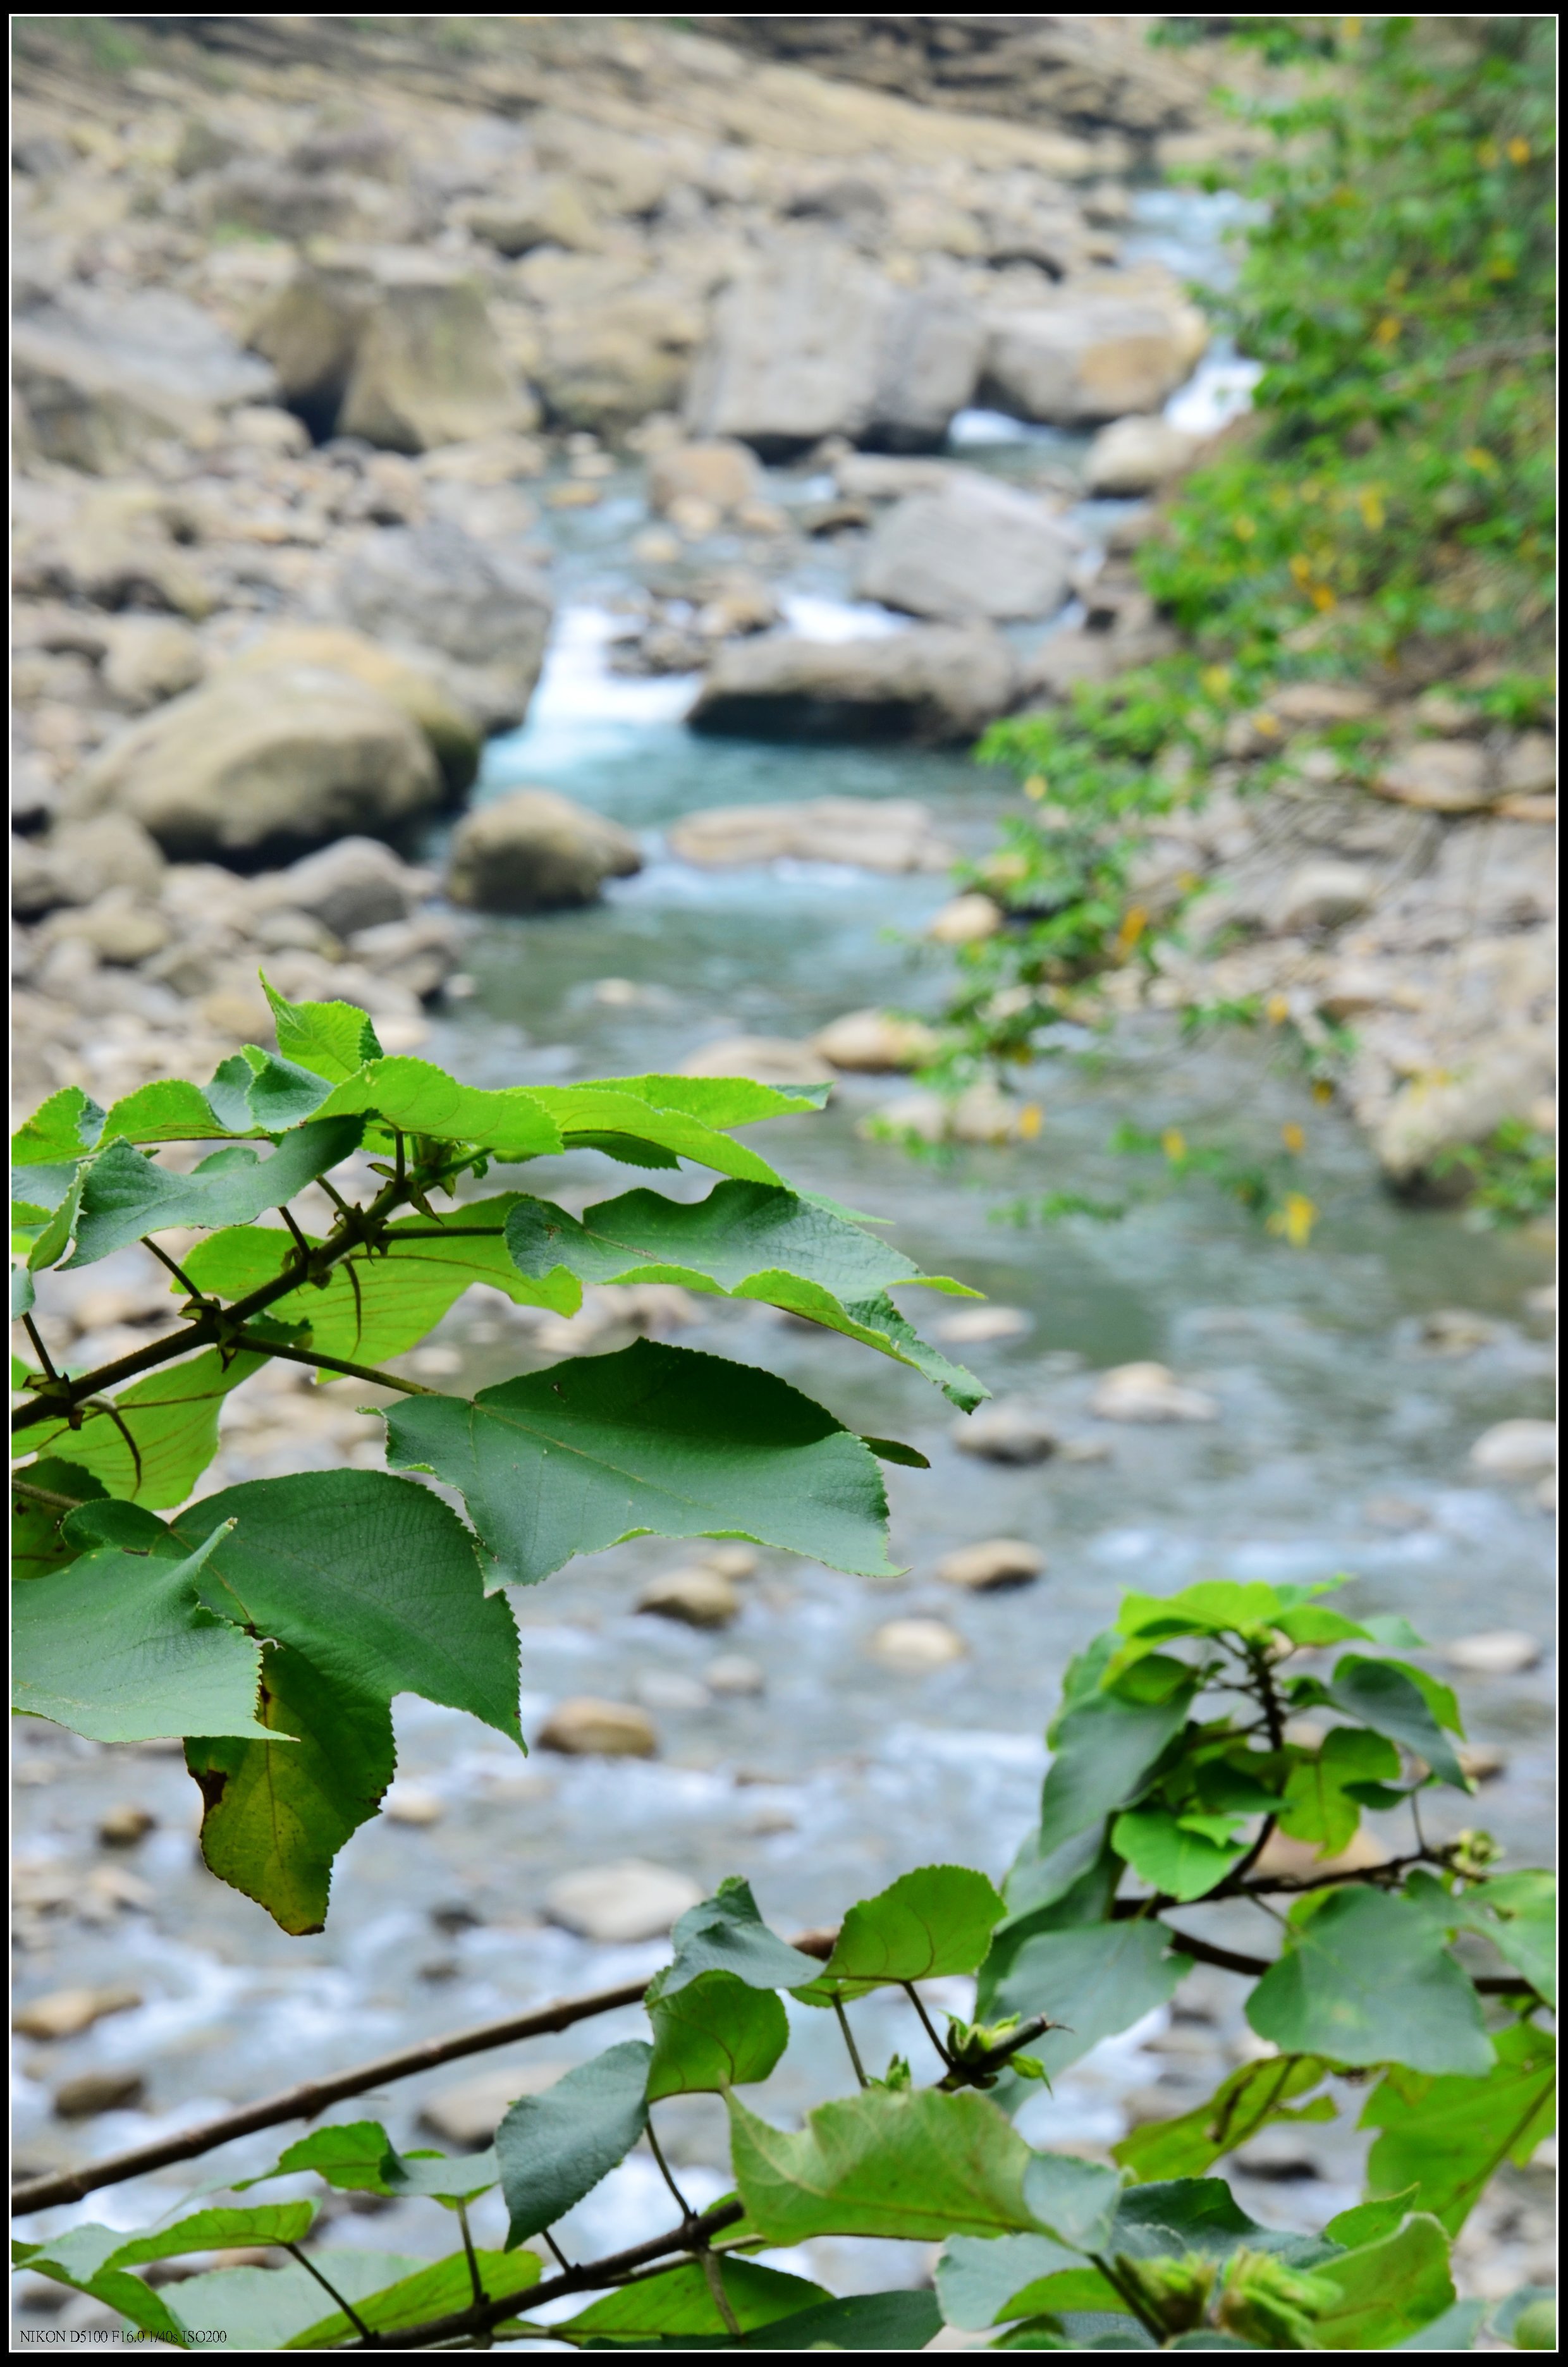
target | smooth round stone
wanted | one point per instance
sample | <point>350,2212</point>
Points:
<point>915,1646</point>
<point>1149,1393</point>
<point>733,1674</point>
<point>1496,1652</point>
<point>1007,1431</point>
<point>730,1560</point>
<point>618,1904</point>
<point>125,1824</point>
<point>995,1563</point>
<point>668,1689</point>
<point>1457,1332</point>
<point>65,2014</point>
<point>411,1803</point>
<point>91,2092</point>
<point>696,1597</point>
<point>583,1727</point>
<point>1516,1450</point>
<point>972,1327</point>
<point>1482,1761</point>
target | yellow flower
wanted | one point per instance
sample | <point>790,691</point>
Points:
<point>1387,330</point>
<point>1216,680</point>
<point>1322,598</point>
<point>1029,1120</point>
<point>1351,28</point>
<point>1173,1142</point>
<point>1135,920</point>
<point>1502,266</point>
<point>1295,1221</point>
<point>1518,151</point>
<point>1302,569</point>
<point>1243,528</point>
<point>1188,881</point>
<point>1322,1090</point>
<point>1370,503</point>
<point>1293,1136</point>
<point>1277,1010</point>
<point>1479,457</point>
<point>1034,787</point>
<point>1487,152</point>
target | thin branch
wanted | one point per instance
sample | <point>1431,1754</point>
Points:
<point>849,2042</point>
<point>45,1359</point>
<point>449,1233</point>
<point>913,1994</point>
<point>301,1241</point>
<point>183,1279</point>
<point>556,2249</point>
<point>475,2280</point>
<point>335,1364</point>
<point>712,2269</point>
<point>1128,2294</point>
<point>45,1495</point>
<point>682,2206</point>
<point>372,2340</point>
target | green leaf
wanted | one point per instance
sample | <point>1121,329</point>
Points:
<point>60,1130</point>
<point>1251,2099</point>
<point>722,1101</point>
<point>556,2147</point>
<point>1215,1606</point>
<point>1368,2223</point>
<point>168,1111</point>
<point>934,1921</point>
<point>1096,1980</point>
<point>726,1933</point>
<point>1388,2291</point>
<point>260,2309</point>
<point>432,2291</point>
<point>1447,2137</point>
<point>349,2154</point>
<point>1073,2201</point>
<point>654,1441</point>
<point>257,1089</point>
<point>162,1434</point>
<point>915,2164</point>
<point>1199,2215</point>
<point>1526,2318</point>
<point>331,1039</point>
<point>415,1097</point>
<point>95,2260</point>
<point>1405,1703</point>
<point>38,1539</point>
<point>1183,1855</point>
<point>1317,1807</point>
<point>211,2231</point>
<point>1455,2328</point>
<point>884,2321</point>
<point>1366,1978</point>
<point>1517,1912</point>
<point>584,1112</point>
<point>715,2033</point>
<point>124,1195</point>
<point>745,1241</point>
<point>679,2301</point>
<point>1106,1745</point>
<point>118,1647</point>
<point>47,1239</point>
<point>978,2278</point>
<point>24,1296</point>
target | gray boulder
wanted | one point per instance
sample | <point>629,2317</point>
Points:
<point>479,614</point>
<point>933,345</point>
<point>1428,1119</point>
<point>106,376</point>
<point>357,884</point>
<point>81,862</point>
<point>533,851</point>
<point>874,833</point>
<point>975,548</point>
<point>603,366</point>
<point>936,685</point>
<point>1134,456</point>
<point>1091,354</point>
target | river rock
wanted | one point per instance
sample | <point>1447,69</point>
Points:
<point>723,474</point>
<point>989,1568</point>
<point>451,729</point>
<point>1009,1430</point>
<point>733,1673</point>
<point>696,1597</point>
<point>1319,896</point>
<point>65,2014</point>
<point>1149,1393</point>
<point>258,766</point>
<point>149,659</point>
<point>967,920</point>
<point>1496,1652</point>
<point>583,1727</point>
<point>607,365</point>
<point>1318,706</point>
<point>767,1059</point>
<point>873,833</point>
<point>887,476</point>
<point>936,685</point>
<point>1528,767</point>
<point>549,210</point>
<point>1441,776</point>
<point>915,1646</point>
<point>1284,1858</point>
<point>1516,1450</point>
<point>973,1327</point>
<point>1135,456</point>
<point>1431,1114</point>
<point>125,1824</point>
<point>875,1041</point>
<point>534,851</point>
<point>82,861</point>
<point>91,2092</point>
<point>479,614</point>
<point>1090,355</point>
<point>108,376</point>
<point>933,342</point>
<point>357,884</point>
<point>616,1905</point>
<point>121,928</point>
<point>977,549</point>
<point>795,350</point>
<point>468,2114</point>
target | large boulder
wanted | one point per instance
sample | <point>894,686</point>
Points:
<point>975,548</point>
<point>932,347</point>
<point>1134,456</point>
<point>936,686</point>
<point>451,729</point>
<point>1090,354</point>
<point>480,615</point>
<point>533,851</point>
<point>255,767</point>
<point>605,366</point>
<point>355,883</point>
<point>795,350</point>
<point>106,376</point>
<point>723,475</point>
<point>1432,1117</point>
<point>549,210</point>
<point>874,833</point>
<point>82,861</point>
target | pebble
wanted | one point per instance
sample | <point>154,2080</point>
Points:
<point>1482,1761</point>
<point>469,2112</point>
<point>1086,1450</point>
<point>65,2014</point>
<point>1008,1431</point>
<point>619,1903</point>
<point>995,1563</point>
<point>667,1689</point>
<point>966,921</point>
<point>1150,1393</point>
<point>583,1727</point>
<point>1495,1652</point>
<point>411,1803</point>
<point>97,2092</point>
<point>970,1327</point>
<point>1395,1513</point>
<point>875,1040</point>
<point>121,1826</point>
<point>696,1597</point>
<point>1516,1450</point>
<point>1456,1332</point>
<point>914,1647</point>
<point>733,1673</point>
<point>730,1560</point>
<point>1542,1303</point>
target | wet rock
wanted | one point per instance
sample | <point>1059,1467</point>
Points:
<point>722,474</point>
<point>989,1568</point>
<point>533,851</point>
<point>151,659</point>
<point>121,928</point>
<point>874,833</point>
<point>90,2092</point>
<point>1090,355</point>
<point>125,1824</point>
<point>413,1804</point>
<point>1078,654</point>
<point>794,351</point>
<point>455,739</point>
<point>65,2014</point>
<point>619,1903</point>
<point>612,363</point>
<point>1318,706</point>
<point>1457,1332</point>
<point>669,1690</point>
<point>549,211</point>
<point>1149,1393</point>
<point>260,765</point>
<point>934,686</point>
<point>697,1598</point>
<point>966,921</point>
<point>107,376</point>
<point>1496,1652</point>
<point>1482,1761</point>
<point>1009,1430</point>
<point>357,884</point>
<point>767,1059</point>
<point>1278,2157</point>
<point>983,1112</point>
<point>1435,1114</point>
<point>468,2114</point>
<point>933,342</point>
<point>434,593</point>
<point>973,1325</point>
<point>1441,776</point>
<point>1319,896</point>
<point>875,1041</point>
<point>1135,456</point>
<point>583,1727</point>
<point>733,1673</point>
<point>83,860</point>
<point>915,1646</point>
<point>977,549</point>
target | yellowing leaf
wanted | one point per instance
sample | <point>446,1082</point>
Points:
<point>1293,1222</point>
<point>1293,1136</point>
<point>1370,504</point>
<point>1173,1142</point>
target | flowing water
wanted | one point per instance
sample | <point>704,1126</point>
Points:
<point>1340,1446</point>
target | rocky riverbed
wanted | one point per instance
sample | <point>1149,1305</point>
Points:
<point>398,472</point>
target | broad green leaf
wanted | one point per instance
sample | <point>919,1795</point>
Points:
<point>215,2230</point>
<point>1447,2137</point>
<point>168,1111</point>
<point>433,2292</point>
<point>884,2321</point>
<point>679,2301</point>
<point>1250,2099</point>
<point>163,1433</point>
<point>1526,2317</point>
<point>24,1296</point>
<point>978,2278</point>
<point>934,1921</point>
<point>442,2178</point>
<point>722,1101</point>
<point>1106,1747</point>
<point>654,1441</point>
<point>1073,2200</point>
<point>119,1647</point>
<point>331,1039</point>
<point>556,2147</point>
<point>1517,1912</point>
<point>95,2260</point>
<point>417,1098</point>
<point>349,2154</point>
<point>1317,1807</point>
<point>116,2288</point>
<point>125,1194</point>
<point>1213,1607</point>
<point>1405,1704</point>
<point>256,1089</point>
<point>60,1131</point>
<point>1200,2214</point>
<point>1313,1624</point>
<point>1368,2223</point>
<point>745,1241</point>
<point>589,1111</point>
<point>726,1933</point>
<point>38,1541</point>
<point>1184,1856</point>
<point>1388,2291</point>
<point>1096,1981</point>
<point>46,1226</point>
<point>1366,1978</point>
<point>260,2309</point>
<point>715,2033</point>
<point>915,2164</point>
<point>1454,2328</point>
